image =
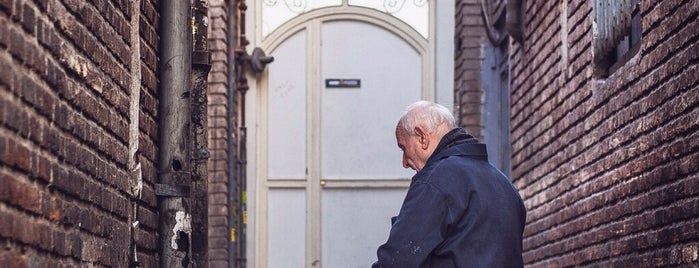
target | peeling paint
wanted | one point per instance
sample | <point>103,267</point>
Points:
<point>77,64</point>
<point>137,174</point>
<point>690,253</point>
<point>183,223</point>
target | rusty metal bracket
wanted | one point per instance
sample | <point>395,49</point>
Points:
<point>172,190</point>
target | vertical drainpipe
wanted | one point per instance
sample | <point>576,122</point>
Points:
<point>173,144</point>
<point>244,62</point>
<point>200,152</point>
<point>241,84</point>
<point>231,136</point>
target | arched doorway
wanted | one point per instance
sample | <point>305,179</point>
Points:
<point>326,175</point>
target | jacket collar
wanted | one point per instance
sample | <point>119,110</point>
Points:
<point>459,142</point>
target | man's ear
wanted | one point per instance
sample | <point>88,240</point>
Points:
<point>422,136</point>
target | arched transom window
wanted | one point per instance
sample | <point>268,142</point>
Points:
<point>415,13</point>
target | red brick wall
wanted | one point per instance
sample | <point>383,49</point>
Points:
<point>218,94</point>
<point>65,93</point>
<point>608,167</point>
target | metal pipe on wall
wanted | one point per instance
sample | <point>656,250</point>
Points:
<point>173,166</point>
<point>231,138</point>
<point>244,62</point>
<point>241,84</point>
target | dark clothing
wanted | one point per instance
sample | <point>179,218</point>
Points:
<point>460,211</point>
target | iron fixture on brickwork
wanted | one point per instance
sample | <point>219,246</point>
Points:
<point>498,24</point>
<point>244,62</point>
<point>182,155</point>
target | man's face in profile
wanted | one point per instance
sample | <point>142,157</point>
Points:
<point>410,145</point>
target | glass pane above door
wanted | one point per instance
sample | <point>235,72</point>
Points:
<point>276,12</point>
<point>413,12</point>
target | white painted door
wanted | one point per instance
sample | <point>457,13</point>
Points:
<point>358,155</point>
<point>328,174</point>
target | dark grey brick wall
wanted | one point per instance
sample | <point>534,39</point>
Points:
<point>467,65</point>
<point>608,167</point>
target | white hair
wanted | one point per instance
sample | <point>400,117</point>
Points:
<point>427,114</point>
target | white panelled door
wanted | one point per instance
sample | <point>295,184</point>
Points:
<point>357,138</point>
<point>328,174</point>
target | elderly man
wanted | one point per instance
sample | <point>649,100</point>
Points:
<point>460,211</point>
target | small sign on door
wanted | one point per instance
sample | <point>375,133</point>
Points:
<point>343,83</point>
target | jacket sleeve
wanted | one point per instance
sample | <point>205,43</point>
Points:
<point>419,228</point>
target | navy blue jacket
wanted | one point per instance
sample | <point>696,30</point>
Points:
<point>460,211</point>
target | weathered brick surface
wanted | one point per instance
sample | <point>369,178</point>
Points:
<point>65,72</point>
<point>607,166</point>
<point>218,118</point>
<point>469,36</point>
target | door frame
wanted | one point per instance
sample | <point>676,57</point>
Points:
<point>258,136</point>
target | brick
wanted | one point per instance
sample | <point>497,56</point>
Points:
<point>146,240</point>
<point>70,182</point>
<point>4,147</point>
<point>4,32</point>
<point>218,263</point>
<point>28,18</point>
<point>16,44</point>
<point>32,232</point>
<point>18,156</point>
<point>218,254</point>
<point>75,241</point>
<point>13,258</point>
<point>59,241</point>
<point>30,199</point>
<point>149,12</point>
<point>7,192</point>
<point>149,57</point>
<point>6,6</point>
<point>90,221</point>
<point>218,221</point>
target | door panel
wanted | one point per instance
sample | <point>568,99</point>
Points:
<point>287,110</point>
<point>354,223</point>
<point>287,236</point>
<point>358,124</point>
